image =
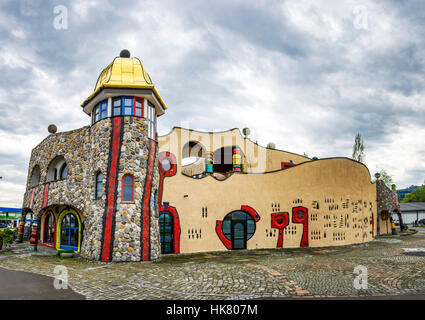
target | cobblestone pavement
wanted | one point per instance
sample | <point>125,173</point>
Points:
<point>276,273</point>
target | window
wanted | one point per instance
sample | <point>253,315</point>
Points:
<point>238,217</point>
<point>35,176</point>
<point>127,106</point>
<point>99,185</point>
<point>103,109</point>
<point>151,121</point>
<point>116,103</point>
<point>96,113</point>
<point>69,232</point>
<point>57,169</point>
<point>49,229</point>
<point>64,171</point>
<point>138,107</point>
<point>127,188</point>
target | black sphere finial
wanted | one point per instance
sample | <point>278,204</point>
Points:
<point>125,53</point>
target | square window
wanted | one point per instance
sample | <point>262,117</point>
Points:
<point>128,102</point>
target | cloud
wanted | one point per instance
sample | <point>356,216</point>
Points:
<point>305,75</point>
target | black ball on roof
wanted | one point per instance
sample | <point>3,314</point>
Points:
<point>125,53</point>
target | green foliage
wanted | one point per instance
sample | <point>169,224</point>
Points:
<point>358,149</point>
<point>417,195</point>
<point>388,180</point>
<point>6,236</point>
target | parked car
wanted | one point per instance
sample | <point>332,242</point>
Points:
<point>421,222</point>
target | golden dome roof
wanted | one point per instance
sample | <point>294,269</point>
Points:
<point>124,72</point>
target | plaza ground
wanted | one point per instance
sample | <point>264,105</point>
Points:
<point>249,274</point>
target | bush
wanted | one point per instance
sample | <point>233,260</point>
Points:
<point>6,236</point>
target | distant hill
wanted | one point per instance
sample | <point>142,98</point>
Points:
<point>402,192</point>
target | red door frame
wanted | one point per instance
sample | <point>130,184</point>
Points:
<point>176,226</point>
<point>54,230</point>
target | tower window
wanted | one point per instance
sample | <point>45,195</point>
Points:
<point>138,107</point>
<point>116,103</point>
<point>127,106</point>
<point>151,121</point>
<point>103,109</point>
<point>127,188</point>
<point>96,113</point>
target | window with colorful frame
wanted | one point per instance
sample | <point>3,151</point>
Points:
<point>138,107</point>
<point>127,105</point>
<point>116,106</point>
<point>103,106</point>
<point>127,192</point>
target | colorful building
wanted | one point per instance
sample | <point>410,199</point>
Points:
<point>115,191</point>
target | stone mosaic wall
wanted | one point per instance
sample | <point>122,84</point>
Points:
<point>86,152</point>
<point>385,197</point>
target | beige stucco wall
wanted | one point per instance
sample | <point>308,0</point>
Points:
<point>341,186</point>
<point>255,157</point>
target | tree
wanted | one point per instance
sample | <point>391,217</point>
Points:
<point>388,180</point>
<point>358,149</point>
<point>417,195</point>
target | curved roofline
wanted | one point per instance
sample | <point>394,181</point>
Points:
<point>143,72</point>
<point>211,132</point>
<point>296,165</point>
<point>59,133</point>
<point>111,65</point>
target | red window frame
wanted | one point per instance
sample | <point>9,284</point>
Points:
<point>123,185</point>
<point>54,230</point>
<point>142,108</point>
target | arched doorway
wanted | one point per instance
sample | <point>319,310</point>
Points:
<point>68,234</point>
<point>29,218</point>
<point>169,229</point>
<point>166,232</point>
<point>238,227</point>
<point>49,230</point>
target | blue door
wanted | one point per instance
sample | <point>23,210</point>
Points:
<point>69,232</point>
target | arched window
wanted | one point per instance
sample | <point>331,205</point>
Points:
<point>57,169</point>
<point>35,176</point>
<point>49,230</point>
<point>99,185</point>
<point>69,236</point>
<point>193,149</point>
<point>64,171</point>
<point>128,188</point>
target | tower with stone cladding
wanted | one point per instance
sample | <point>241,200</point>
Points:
<point>121,219</point>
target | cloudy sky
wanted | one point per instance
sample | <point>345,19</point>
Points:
<point>306,75</point>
